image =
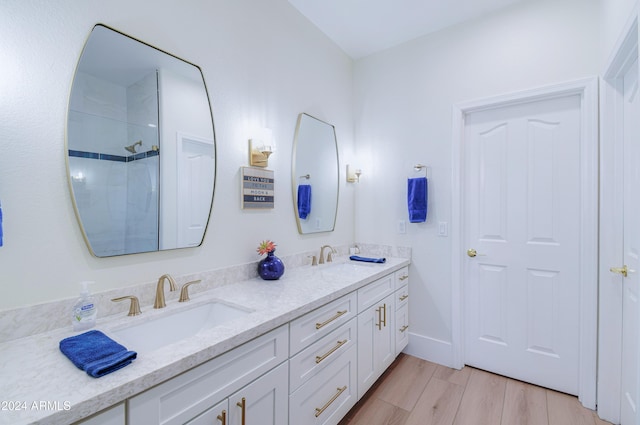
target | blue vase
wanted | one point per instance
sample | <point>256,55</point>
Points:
<point>271,267</point>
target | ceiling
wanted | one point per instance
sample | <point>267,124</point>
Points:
<point>363,27</point>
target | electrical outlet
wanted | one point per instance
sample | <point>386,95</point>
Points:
<point>402,226</point>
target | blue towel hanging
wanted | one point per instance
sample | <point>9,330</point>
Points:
<point>417,199</point>
<point>304,200</point>
<point>96,353</point>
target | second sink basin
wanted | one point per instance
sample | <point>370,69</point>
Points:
<point>175,326</point>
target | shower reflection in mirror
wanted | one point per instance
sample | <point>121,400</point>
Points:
<point>141,151</point>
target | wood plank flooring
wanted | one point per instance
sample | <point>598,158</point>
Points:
<point>417,392</point>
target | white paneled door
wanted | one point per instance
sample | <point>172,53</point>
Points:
<point>196,168</point>
<point>522,225</point>
<point>631,242</point>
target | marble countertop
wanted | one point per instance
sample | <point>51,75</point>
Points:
<point>40,385</point>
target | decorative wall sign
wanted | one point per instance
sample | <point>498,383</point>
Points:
<point>257,188</point>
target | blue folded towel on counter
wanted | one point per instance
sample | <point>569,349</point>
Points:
<point>96,353</point>
<point>367,259</point>
<point>417,199</point>
<point>304,200</point>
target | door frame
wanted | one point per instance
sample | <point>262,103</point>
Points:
<point>587,89</point>
<point>623,54</point>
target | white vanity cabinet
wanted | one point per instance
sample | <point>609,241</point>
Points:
<point>402,309</point>
<point>265,401</point>
<point>322,367</point>
<point>256,371</point>
<point>111,416</point>
<point>376,335</point>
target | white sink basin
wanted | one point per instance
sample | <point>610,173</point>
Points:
<point>346,270</point>
<point>173,327</point>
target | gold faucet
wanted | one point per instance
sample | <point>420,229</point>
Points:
<point>159,303</point>
<point>134,307</point>
<point>329,258</point>
<point>184,292</point>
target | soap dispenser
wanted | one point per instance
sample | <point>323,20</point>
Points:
<point>85,310</point>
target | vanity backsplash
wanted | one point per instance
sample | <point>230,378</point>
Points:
<point>39,318</point>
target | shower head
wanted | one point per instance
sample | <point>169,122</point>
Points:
<point>132,148</point>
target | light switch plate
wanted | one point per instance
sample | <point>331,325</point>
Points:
<point>443,228</point>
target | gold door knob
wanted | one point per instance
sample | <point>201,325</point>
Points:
<point>471,252</point>
<point>621,270</point>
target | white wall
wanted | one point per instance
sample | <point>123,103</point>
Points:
<point>263,64</point>
<point>403,116</point>
<point>614,14</point>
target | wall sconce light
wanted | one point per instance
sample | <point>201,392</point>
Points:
<point>259,154</point>
<point>353,174</point>
<point>261,148</point>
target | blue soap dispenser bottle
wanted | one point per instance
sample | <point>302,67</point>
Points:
<point>85,310</point>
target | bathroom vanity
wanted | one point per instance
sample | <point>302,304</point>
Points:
<point>309,347</point>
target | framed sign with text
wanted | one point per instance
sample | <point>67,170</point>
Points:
<point>257,188</point>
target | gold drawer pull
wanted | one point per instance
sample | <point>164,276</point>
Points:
<point>326,322</point>
<point>404,277</point>
<point>323,408</point>
<point>243,405</point>
<point>384,320</point>
<point>328,353</point>
<point>404,297</point>
<point>223,417</point>
<point>404,328</point>
<point>379,324</point>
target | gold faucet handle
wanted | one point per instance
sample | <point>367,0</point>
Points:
<point>330,256</point>
<point>134,307</point>
<point>314,260</point>
<point>184,292</point>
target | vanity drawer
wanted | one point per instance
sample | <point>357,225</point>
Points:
<point>314,325</point>
<point>402,327</point>
<point>186,396</point>
<point>402,296</point>
<point>402,277</point>
<point>320,354</point>
<point>375,291</point>
<point>327,397</point>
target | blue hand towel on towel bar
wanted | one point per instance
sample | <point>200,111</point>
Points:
<point>368,260</point>
<point>96,353</point>
<point>417,199</point>
<point>304,200</point>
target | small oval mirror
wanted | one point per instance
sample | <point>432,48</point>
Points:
<point>140,147</point>
<point>315,175</point>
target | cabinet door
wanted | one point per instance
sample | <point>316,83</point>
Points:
<point>376,342</point>
<point>217,415</point>
<point>265,401</point>
<point>111,416</point>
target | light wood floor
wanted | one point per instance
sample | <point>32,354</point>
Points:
<point>418,392</point>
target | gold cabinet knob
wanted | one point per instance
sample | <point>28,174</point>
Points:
<point>620,270</point>
<point>471,252</point>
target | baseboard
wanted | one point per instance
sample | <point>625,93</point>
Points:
<point>431,349</point>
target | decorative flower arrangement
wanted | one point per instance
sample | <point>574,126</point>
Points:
<point>270,267</point>
<point>266,247</point>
